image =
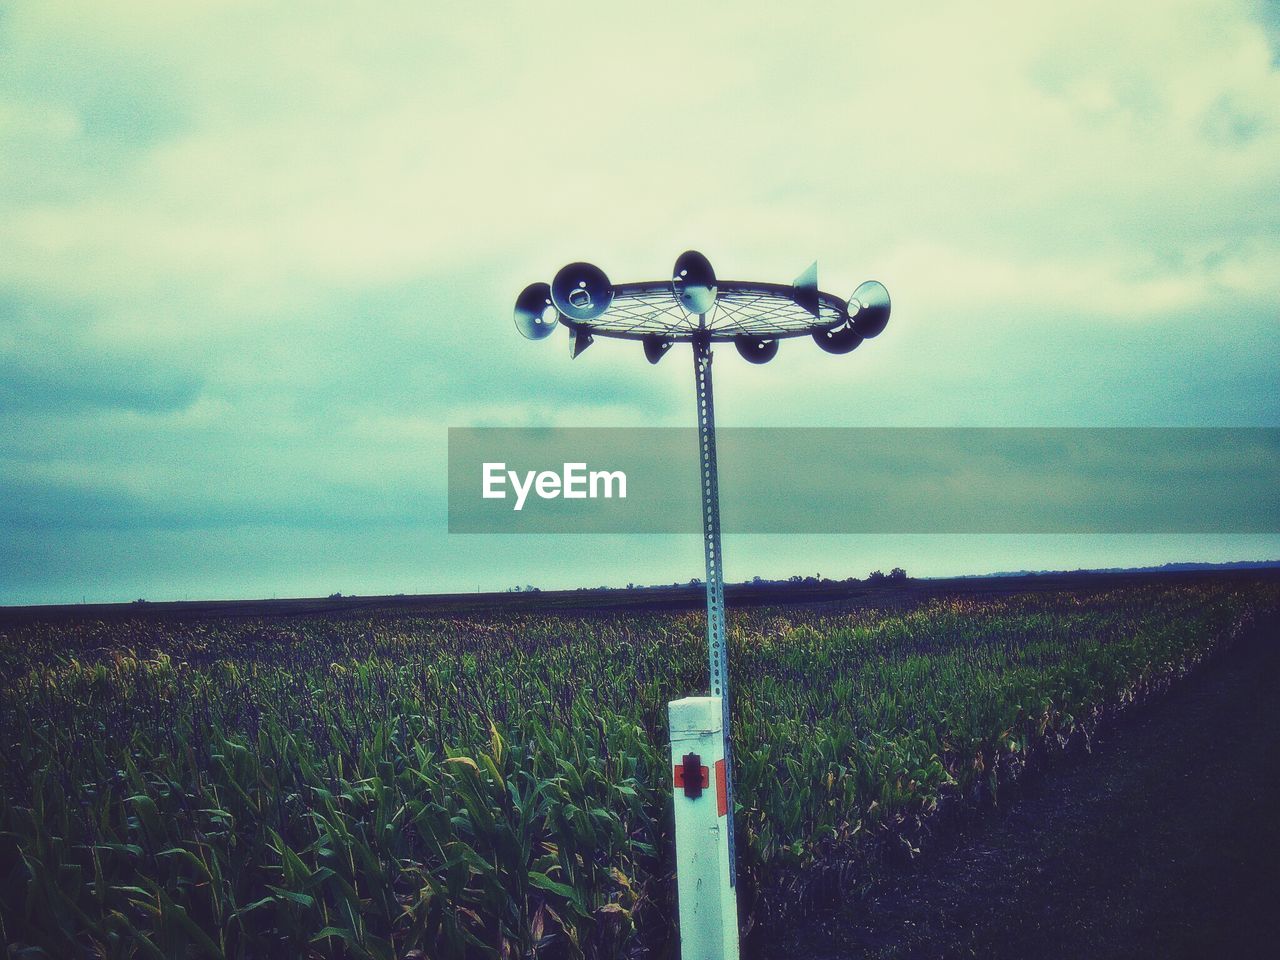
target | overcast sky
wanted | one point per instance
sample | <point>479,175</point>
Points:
<point>255,258</point>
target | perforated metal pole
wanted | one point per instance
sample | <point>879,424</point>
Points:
<point>717,646</point>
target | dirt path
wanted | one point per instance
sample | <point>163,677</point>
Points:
<point>1164,843</point>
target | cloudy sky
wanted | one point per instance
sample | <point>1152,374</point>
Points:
<point>255,258</point>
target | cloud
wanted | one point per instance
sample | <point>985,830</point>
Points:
<point>52,359</point>
<point>246,247</point>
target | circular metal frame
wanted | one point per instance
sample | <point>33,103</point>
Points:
<point>742,308</point>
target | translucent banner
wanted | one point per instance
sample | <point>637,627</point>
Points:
<point>868,480</point>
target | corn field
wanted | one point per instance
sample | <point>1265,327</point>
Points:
<point>387,786</point>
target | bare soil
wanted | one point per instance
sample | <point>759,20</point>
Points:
<point>1163,842</point>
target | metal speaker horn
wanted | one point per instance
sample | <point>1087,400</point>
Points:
<point>843,339</point>
<point>579,339</point>
<point>581,291</point>
<point>756,349</point>
<point>694,282</point>
<point>655,347</point>
<point>869,308</point>
<point>535,315</point>
<point>805,289</point>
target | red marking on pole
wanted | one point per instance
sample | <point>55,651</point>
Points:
<point>722,790</point>
<point>678,775</point>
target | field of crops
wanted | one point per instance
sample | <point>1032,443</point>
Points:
<point>396,786</point>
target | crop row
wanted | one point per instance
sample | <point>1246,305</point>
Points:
<point>386,786</point>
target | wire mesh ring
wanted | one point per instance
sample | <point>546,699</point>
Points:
<point>650,308</point>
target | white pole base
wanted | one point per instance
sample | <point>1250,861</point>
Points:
<point>708,904</point>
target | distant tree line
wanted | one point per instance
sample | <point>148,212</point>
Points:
<point>878,577</point>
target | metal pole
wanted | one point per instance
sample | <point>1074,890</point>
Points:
<point>717,646</point>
